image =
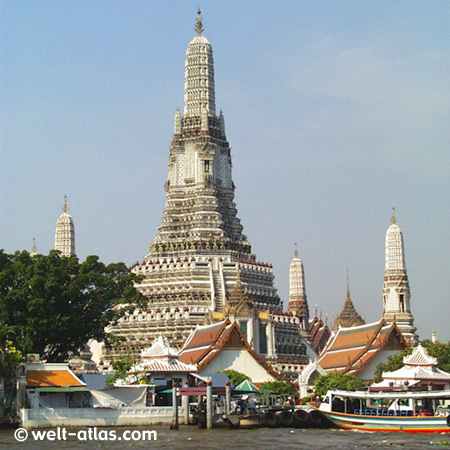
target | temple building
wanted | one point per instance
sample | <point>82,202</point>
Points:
<point>358,350</point>
<point>319,332</point>
<point>396,294</point>
<point>298,304</point>
<point>348,316</point>
<point>200,268</point>
<point>65,232</point>
<point>419,372</point>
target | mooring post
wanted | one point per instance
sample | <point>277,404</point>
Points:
<point>175,406</point>
<point>227,398</point>
<point>185,403</point>
<point>209,405</point>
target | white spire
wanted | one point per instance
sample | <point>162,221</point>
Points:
<point>396,293</point>
<point>65,232</point>
<point>297,293</point>
<point>296,277</point>
<point>199,75</point>
<point>394,256</point>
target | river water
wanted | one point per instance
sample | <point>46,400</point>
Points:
<point>262,438</point>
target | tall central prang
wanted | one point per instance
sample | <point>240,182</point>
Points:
<point>200,216</point>
<point>199,254</point>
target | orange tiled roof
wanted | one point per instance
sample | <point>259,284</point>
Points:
<point>200,340</point>
<point>52,378</point>
<point>350,349</point>
<point>205,343</point>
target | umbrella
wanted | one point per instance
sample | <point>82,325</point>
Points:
<point>247,386</point>
<point>167,391</point>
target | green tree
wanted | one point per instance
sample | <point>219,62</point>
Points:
<point>234,376</point>
<point>53,304</point>
<point>441,352</point>
<point>279,387</point>
<point>394,362</point>
<point>336,380</point>
<point>121,368</point>
<point>10,357</point>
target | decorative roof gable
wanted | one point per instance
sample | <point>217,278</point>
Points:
<point>159,350</point>
<point>419,357</point>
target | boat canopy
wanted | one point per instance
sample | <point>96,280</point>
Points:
<point>393,395</point>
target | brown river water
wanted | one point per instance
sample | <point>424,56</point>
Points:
<point>263,438</point>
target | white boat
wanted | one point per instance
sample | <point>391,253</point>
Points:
<point>408,411</point>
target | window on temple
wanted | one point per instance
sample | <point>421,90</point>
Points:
<point>243,327</point>
<point>402,302</point>
<point>262,338</point>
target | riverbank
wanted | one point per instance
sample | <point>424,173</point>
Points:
<point>191,437</point>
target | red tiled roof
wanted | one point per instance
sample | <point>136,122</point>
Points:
<point>320,333</point>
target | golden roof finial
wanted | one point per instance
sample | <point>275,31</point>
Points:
<point>348,286</point>
<point>198,23</point>
<point>296,251</point>
<point>394,220</point>
<point>66,206</point>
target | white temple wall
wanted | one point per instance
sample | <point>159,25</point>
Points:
<point>368,371</point>
<point>241,361</point>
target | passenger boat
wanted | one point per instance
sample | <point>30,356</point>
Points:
<point>408,411</point>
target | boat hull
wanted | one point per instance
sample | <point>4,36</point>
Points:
<point>419,424</point>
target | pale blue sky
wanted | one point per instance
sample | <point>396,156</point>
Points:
<point>336,111</point>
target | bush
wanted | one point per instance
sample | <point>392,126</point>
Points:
<point>234,376</point>
<point>336,381</point>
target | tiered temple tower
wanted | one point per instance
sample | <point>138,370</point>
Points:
<point>200,248</point>
<point>298,303</point>
<point>396,294</point>
<point>65,232</point>
<point>348,316</point>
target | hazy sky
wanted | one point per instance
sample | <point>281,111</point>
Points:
<point>336,111</point>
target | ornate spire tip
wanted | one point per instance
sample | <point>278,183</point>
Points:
<point>394,219</point>
<point>66,206</point>
<point>198,23</point>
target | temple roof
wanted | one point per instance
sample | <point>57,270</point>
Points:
<point>206,342</point>
<point>320,333</point>
<point>350,349</point>
<point>419,366</point>
<point>419,357</point>
<point>160,365</point>
<point>159,349</point>
<point>348,316</point>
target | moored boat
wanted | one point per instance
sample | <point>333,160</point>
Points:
<point>409,411</point>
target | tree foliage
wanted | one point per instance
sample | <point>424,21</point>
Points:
<point>234,376</point>
<point>394,362</point>
<point>53,304</point>
<point>10,357</point>
<point>336,380</point>
<point>121,368</point>
<point>441,352</point>
<point>279,387</point>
